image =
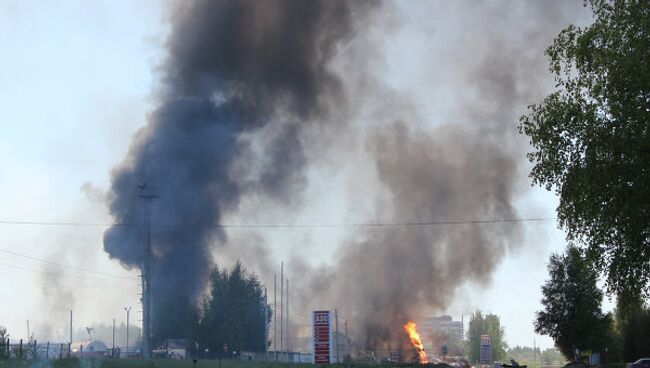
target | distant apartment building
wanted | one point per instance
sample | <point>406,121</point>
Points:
<point>444,331</point>
<point>450,333</point>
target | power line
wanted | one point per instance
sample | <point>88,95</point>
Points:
<point>64,265</point>
<point>55,223</point>
<point>45,283</point>
<point>18,278</point>
<point>289,226</point>
<point>55,274</point>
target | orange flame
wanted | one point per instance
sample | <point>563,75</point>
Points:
<point>412,330</point>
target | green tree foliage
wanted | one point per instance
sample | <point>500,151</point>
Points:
<point>25,349</point>
<point>614,348</point>
<point>232,314</point>
<point>525,355</point>
<point>633,329</point>
<point>534,358</point>
<point>168,324</point>
<point>4,340</point>
<point>591,140</point>
<point>551,356</point>
<point>571,302</point>
<point>488,324</point>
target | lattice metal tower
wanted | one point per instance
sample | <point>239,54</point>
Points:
<point>147,197</point>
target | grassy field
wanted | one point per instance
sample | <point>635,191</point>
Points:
<point>163,363</point>
<point>139,363</point>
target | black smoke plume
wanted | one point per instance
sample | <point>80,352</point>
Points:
<point>233,67</point>
<point>261,69</point>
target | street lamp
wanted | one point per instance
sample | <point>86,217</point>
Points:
<point>128,310</point>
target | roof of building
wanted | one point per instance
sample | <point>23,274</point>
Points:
<point>89,345</point>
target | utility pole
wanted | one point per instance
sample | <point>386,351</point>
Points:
<point>336,333</point>
<point>281,307</point>
<point>275,317</point>
<point>128,311</point>
<point>288,330</point>
<point>462,332</point>
<point>139,331</point>
<point>28,335</point>
<point>146,273</point>
<point>534,353</point>
<point>266,327</point>
<point>71,326</point>
<point>113,348</point>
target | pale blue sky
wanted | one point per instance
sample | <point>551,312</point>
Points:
<point>76,82</point>
<point>76,78</point>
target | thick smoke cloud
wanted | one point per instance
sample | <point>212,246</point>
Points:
<point>243,86</point>
<point>466,167</point>
<point>234,67</point>
<point>400,273</point>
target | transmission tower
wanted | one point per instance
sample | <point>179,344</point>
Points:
<point>145,277</point>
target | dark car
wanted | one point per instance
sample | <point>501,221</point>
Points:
<point>577,365</point>
<point>641,363</point>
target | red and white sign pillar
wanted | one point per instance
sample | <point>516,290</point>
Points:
<point>322,339</point>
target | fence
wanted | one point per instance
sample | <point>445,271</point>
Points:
<point>284,357</point>
<point>34,350</point>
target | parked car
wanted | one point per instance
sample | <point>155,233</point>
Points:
<point>641,363</point>
<point>513,364</point>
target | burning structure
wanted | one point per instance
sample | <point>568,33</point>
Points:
<point>249,99</point>
<point>413,334</point>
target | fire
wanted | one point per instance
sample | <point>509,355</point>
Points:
<point>412,330</point>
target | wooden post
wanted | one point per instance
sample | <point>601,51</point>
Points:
<point>47,352</point>
<point>20,349</point>
<point>60,351</point>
